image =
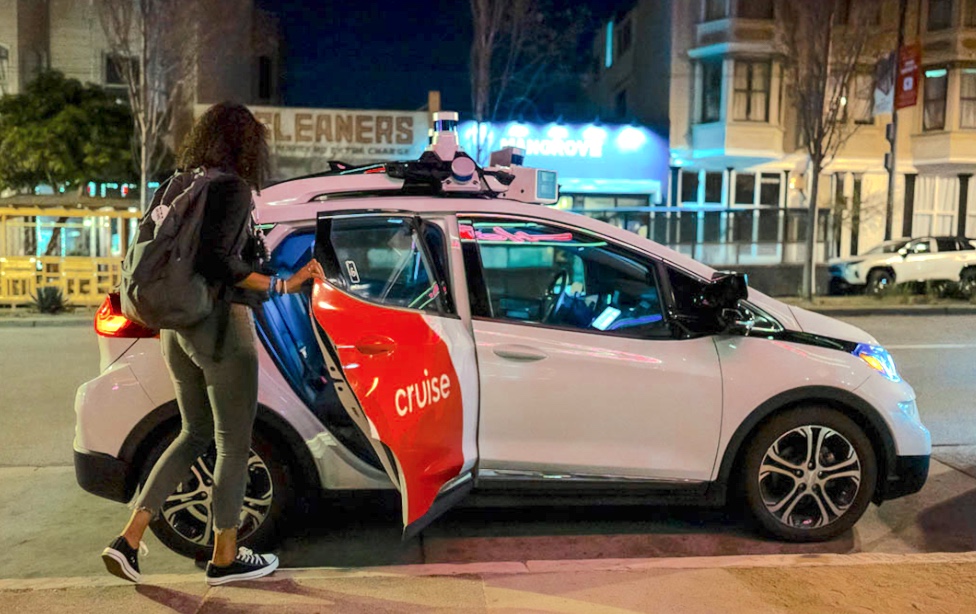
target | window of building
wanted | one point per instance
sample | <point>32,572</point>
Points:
<point>689,187</point>
<point>716,9</point>
<point>970,16</point>
<point>117,68</point>
<point>265,78</point>
<point>940,15</point>
<point>967,98</point>
<point>862,102</point>
<point>751,97</point>
<point>4,67</point>
<point>755,9</point>
<point>769,189</point>
<point>713,187</point>
<point>711,104</point>
<point>564,279</point>
<point>624,37</point>
<point>620,103</point>
<point>936,82</point>
<point>745,189</point>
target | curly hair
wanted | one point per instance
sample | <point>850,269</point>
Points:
<point>229,137</point>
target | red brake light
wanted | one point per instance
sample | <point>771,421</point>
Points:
<point>109,321</point>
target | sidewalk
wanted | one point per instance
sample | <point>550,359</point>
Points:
<point>23,318</point>
<point>930,583</point>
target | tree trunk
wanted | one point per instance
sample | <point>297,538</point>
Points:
<point>810,264</point>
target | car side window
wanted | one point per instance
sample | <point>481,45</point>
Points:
<point>921,246</point>
<point>384,260</point>
<point>539,274</point>
<point>947,245</point>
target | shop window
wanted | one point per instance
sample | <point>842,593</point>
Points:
<point>716,9</point>
<point>970,18</point>
<point>745,188</point>
<point>689,187</point>
<point>967,98</point>
<point>751,98</point>
<point>936,82</point>
<point>755,9</point>
<point>940,15</point>
<point>769,189</point>
<point>711,88</point>
<point>713,187</point>
<point>265,78</point>
<point>116,70</point>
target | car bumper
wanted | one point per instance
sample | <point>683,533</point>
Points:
<point>908,476</point>
<point>104,475</point>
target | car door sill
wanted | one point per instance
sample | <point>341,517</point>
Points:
<point>539,481</point>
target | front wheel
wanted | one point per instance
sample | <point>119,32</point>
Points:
<point>809,474</point>
<point>967,283</point>
<point>880,281</point>
<point>185,521</point>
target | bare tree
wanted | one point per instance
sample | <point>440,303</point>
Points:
<point>521,49</point>
<point>156,47</point>
<point>823,50</point>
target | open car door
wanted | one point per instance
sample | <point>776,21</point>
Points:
<point>402,361</point>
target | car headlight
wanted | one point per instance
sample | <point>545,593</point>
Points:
<point>878,359</point>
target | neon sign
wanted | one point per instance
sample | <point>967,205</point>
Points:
<point>500,235</point>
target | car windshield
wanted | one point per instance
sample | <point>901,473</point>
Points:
<point>888,247</point>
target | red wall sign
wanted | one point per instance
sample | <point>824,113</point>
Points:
<point>909,74</point>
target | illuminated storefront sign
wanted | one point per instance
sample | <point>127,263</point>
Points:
<point>584,155</point>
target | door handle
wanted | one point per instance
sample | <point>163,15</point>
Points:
<point>371,345</point>
<point>521,353</point>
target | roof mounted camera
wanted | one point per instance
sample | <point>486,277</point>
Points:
<point>448,169</point>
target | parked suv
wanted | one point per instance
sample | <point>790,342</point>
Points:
<point>951,259</point>
<point>471,346</point>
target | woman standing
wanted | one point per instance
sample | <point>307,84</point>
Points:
<point>214,363</point>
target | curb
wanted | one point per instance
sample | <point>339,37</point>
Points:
<point>54,321</point>
<point>525,568</point>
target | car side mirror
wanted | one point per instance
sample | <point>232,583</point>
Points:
<point>737,321</point>
<point>724,291</point>
<point>903,252</point>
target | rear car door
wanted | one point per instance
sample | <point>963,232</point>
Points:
<point>403,361</point>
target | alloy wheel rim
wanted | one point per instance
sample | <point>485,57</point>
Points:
<point>809,477</point>
<point>188,510</point>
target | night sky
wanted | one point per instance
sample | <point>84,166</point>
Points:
<point>380,54</point>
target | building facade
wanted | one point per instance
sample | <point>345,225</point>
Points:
<point>738,172</point>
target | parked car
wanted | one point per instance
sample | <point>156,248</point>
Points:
<point>950,259</point>
<point>470,346</point>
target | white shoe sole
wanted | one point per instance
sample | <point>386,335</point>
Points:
<point>250,575</point>
<point>118,566</point>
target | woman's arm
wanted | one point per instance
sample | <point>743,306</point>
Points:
<point>259,282</point>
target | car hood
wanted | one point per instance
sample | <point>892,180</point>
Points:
<point>803,320</point>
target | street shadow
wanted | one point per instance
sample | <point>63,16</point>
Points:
<point>177,601</point>
<point>363,530</point>
<point>950,526</point>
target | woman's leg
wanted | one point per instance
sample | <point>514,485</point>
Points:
<point>194,438</point>
<point>232,385</point>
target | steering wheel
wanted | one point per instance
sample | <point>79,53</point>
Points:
<point>554,299</point>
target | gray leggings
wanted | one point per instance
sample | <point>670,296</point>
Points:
<point>218,402</point>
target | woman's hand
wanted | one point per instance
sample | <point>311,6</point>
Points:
<point>312,270</point>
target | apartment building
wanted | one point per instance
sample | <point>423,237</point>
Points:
<point>738,177</point>
<point>67,35</point>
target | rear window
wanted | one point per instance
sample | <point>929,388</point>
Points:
<point>947,245</point>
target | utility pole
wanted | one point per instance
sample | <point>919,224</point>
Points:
<point>892,132</point>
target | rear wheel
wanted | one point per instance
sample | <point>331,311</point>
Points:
<point>967,283</point>
<point>880,281</point>
<point>809,474</point>
<point>185,522</point>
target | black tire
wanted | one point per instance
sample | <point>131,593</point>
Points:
<point>184,532</point>
<point>802,499</point>
<point>967,283</point>
<point>880,281</point>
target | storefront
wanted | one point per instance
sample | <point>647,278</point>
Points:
<point>617,173</point>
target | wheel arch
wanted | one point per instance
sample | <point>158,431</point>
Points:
<point>849,404</point>
<point>881,267</point>
<point>148,431</point>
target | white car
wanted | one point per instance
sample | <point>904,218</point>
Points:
<point>907,260</point>
<point>471,347</point>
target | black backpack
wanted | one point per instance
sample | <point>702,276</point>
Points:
<point>160,287</point>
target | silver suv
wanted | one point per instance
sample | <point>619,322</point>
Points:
<point>950,259</point>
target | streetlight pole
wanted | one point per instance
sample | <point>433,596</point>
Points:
<point>892,132</point>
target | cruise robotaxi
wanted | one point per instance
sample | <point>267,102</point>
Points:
<point>474,346</point>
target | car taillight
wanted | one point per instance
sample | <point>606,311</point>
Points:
<point>109,321</point>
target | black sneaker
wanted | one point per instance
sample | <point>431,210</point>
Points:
<point>122,560</point>
<point>247,566</point>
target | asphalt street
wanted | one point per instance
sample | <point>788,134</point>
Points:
<point>45,511</point>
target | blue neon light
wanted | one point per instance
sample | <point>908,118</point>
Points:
<point>609,58</point>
